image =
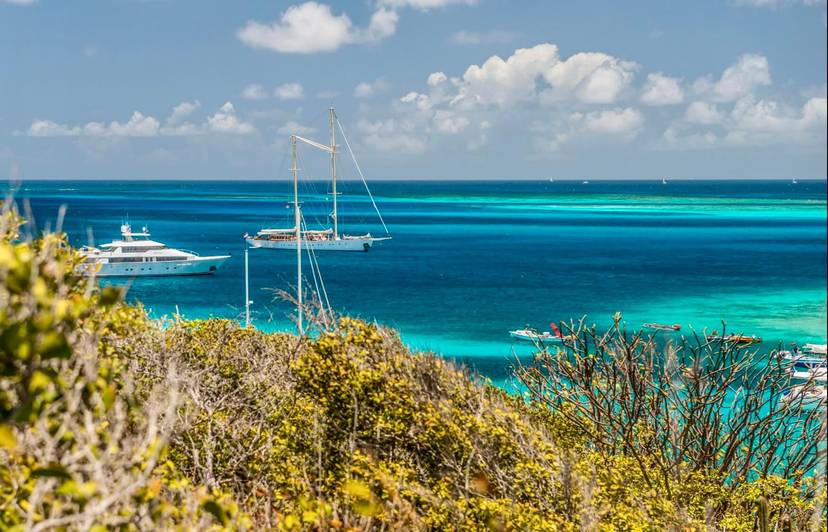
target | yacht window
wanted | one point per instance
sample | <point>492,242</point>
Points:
<point>135,249</point>
<point>125,259</point>
<point>159,259</point>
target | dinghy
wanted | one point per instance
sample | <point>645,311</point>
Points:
<point>739,339</point>
<point>662,327</point>
<point>534,336</point>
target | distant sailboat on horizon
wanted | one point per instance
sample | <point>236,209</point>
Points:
<point>663,180</point>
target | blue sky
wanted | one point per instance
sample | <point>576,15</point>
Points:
<point>438,89</point>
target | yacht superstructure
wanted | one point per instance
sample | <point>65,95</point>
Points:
<point>136,256</point>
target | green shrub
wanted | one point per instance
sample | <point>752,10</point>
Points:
<point>77,449</point>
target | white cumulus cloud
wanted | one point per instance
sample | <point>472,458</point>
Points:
<point>289,91</point>
<point>738,80</point>
<point>312,27</point>
<point>481,37</point>
<point>226,121</point>
<point>504,82</point>
<point>661,90</point>
<point>450,122</point>
<point>392,135</point>
<point>751,122</point>
<point>424,5</point>
<point>367,89</point>
<point>295,128</point>
<point>730,111</point>
<point>139,125</point>
<point>530,78</point>
<point>592,77</point>
<point>778,3</point>
<point>254,92</point>
<point>47,128</point>
<point>703,113</point>
<point>435,78</point>
<point>183,110</point>
<point>383,24</point>
<point>612,122</point>
<point>763,116</point>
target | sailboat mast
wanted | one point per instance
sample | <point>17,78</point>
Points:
<point>333,171</point>
<point>295,169</point>
<point>246,288</point>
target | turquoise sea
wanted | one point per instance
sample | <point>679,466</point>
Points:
<point>470,260</point>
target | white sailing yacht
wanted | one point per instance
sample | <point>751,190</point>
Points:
<point>329,239</point>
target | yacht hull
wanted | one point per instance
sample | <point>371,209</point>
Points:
<point>341,244</point>
<point>195,266</point>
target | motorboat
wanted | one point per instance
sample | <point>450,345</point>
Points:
<point>806,396</point>
<point>738,339</point>
<point>135,255</point>
<point>815,374</point>
<point>662,327</point>
<point>807,356</point>
<point>534,336</point>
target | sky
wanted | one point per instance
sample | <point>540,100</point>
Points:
<point>424,89</point>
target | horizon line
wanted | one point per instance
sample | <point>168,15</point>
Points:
<point>418,179</point>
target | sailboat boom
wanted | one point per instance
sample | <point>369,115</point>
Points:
<point>315,144</point>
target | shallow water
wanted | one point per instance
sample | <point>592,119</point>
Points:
<point>471,260</point>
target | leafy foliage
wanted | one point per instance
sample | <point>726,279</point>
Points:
<point>709,414</point>
<point>76,447</point>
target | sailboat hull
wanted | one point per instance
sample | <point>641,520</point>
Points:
<point>340,244</point>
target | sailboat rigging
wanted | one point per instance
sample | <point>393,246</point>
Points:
<point>328,239</point>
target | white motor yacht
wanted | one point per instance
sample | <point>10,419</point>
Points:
<point>136,256</point>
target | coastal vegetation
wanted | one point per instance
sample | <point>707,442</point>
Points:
<point>111,420</point>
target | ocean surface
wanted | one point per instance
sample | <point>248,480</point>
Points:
<point>470,260</point>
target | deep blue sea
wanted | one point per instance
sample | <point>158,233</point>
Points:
<point>470,260</point>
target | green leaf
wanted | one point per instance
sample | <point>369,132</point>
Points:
<point>110,295</point>
<point>54,345</point>
<point>215,509</point>
<point>7,438</point>
<point>52,470</point>
<point>39,381</point>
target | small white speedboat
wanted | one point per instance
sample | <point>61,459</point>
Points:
<point>816,374</point>
<point>531,335</point>
<point>662,326</point>
<point>806,357</point>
